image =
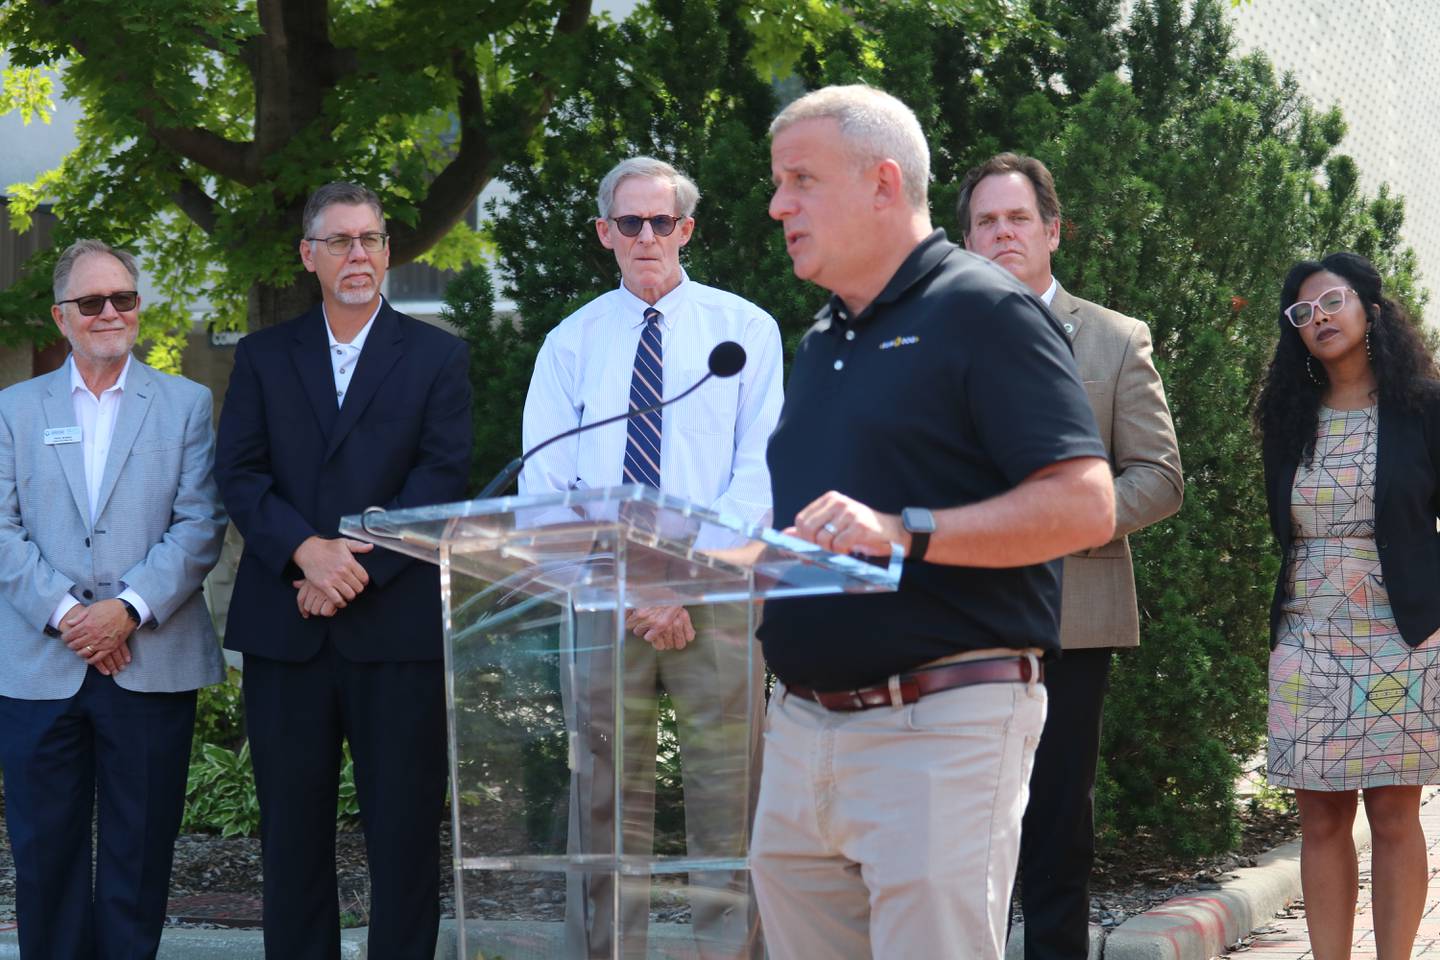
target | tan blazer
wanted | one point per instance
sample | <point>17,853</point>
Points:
<point>1113,353</point>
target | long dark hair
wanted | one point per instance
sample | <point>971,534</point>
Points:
<point>1289,407</point>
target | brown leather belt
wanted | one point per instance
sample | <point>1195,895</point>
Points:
<point>908,687</point>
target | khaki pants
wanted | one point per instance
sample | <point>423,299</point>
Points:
<point>893,832</point>
<point>717,687</point>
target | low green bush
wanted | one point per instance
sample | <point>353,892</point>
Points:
<point>219,715</point>
<point>220,795</point>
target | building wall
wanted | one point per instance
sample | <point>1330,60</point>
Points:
<point>1379,61</point>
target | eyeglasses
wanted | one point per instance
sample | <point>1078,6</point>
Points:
<point>1301,312</point>
<point>121,300</point>
<point>630,226</point>
<point>339,245</point>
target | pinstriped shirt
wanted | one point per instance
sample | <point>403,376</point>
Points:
<point>712,448</point>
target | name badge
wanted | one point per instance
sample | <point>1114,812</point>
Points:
<point>54,435</point>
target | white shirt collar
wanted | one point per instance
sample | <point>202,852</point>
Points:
<point>77,382</point>
<point>1049,294</point>
<point>635,308</point>
<point>359,340</point>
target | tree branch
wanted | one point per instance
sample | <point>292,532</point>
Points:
<point>228,158</point>
<point>457,187</point>
<point>250,57</point>
<point>233,159</point>
<point>198,205</point>
<point>206,41</point>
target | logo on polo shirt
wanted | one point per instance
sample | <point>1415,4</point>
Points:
<point>899,342</point>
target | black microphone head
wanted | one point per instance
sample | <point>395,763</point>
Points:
<point>727,359</point>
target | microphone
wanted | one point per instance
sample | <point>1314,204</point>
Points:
<point>726,360</point>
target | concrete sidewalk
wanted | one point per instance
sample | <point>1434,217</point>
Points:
<point>1286,939</point>
<point>1250,908</point>
<point>512,940</point>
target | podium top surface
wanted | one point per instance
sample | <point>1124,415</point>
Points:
<point>626,545</point>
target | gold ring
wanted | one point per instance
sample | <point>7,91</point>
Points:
<point>88,648</point>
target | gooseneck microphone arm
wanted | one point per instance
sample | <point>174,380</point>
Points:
<point>512,469</point>
<point>726,360</point>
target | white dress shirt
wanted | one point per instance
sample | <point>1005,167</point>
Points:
<point>344,356</point>
<point>96,417</point>
<point>712,446</point>
<point>1049,293</point>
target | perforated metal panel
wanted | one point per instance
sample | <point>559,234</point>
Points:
<point>1379,61</point>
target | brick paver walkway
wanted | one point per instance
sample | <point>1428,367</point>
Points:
<point>1285,937</point>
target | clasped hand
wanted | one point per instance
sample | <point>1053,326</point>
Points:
<point>333,577</point>
<point>664,628</point>
<point>99,634</point>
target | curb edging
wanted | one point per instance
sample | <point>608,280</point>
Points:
<point>1203,925</point>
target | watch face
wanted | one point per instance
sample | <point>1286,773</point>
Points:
<point>918,520</point>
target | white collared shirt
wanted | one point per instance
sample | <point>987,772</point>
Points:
<point>712,447</point>
<point>96,417</point>
<point>344,356</point>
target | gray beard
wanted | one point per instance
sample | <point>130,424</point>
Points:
<point>354,297</point>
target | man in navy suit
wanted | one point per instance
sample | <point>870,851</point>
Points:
<point>347,406</point>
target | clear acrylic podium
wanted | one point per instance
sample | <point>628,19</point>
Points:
<point>549,692</point>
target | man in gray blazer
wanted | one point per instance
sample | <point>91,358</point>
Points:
<point>109,521</point>
<point>1010,214</point>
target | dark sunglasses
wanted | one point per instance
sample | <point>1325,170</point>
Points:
<point>630,226</point>
<point>122,301</point>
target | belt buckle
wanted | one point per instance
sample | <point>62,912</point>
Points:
<point>857,702</point>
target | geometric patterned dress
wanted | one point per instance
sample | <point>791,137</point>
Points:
<point>1352,705</point>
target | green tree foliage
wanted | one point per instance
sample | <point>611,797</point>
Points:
<point>1191,179</point>
<point>691,84</point>
<point>207,122</point>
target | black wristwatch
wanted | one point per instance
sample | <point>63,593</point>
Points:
<point>130,609</point>
<point>919,523</point>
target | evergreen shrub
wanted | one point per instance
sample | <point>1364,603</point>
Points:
<point>1190,177</point>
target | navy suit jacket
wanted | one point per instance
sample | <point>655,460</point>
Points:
<point>1407,502</point>
<point>290,463</point>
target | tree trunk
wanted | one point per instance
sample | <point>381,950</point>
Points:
<point>270,305</point>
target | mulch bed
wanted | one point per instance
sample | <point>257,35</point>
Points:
<point>1133,874</point>
<point>216,881</point>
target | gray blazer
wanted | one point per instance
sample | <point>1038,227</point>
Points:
<point>1113,352</point>
<point>158,528</point>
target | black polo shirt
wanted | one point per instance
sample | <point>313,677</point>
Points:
<point>952,387</point>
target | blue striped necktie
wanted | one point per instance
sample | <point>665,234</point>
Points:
<point>642,440</point>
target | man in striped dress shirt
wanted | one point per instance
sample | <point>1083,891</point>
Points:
<point>650,338</point>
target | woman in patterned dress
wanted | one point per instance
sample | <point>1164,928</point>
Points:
<point>1350,419</point>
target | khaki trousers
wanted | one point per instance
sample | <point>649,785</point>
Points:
<point>717,686</point>
<point>893,832</point>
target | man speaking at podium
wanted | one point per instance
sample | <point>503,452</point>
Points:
<point>646,340</point>
<point>935,404</point>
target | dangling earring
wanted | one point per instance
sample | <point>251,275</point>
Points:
<point>1311,370</point>
<point>1369,355</point>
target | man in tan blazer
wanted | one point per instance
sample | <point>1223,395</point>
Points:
<point>1010,214</point>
